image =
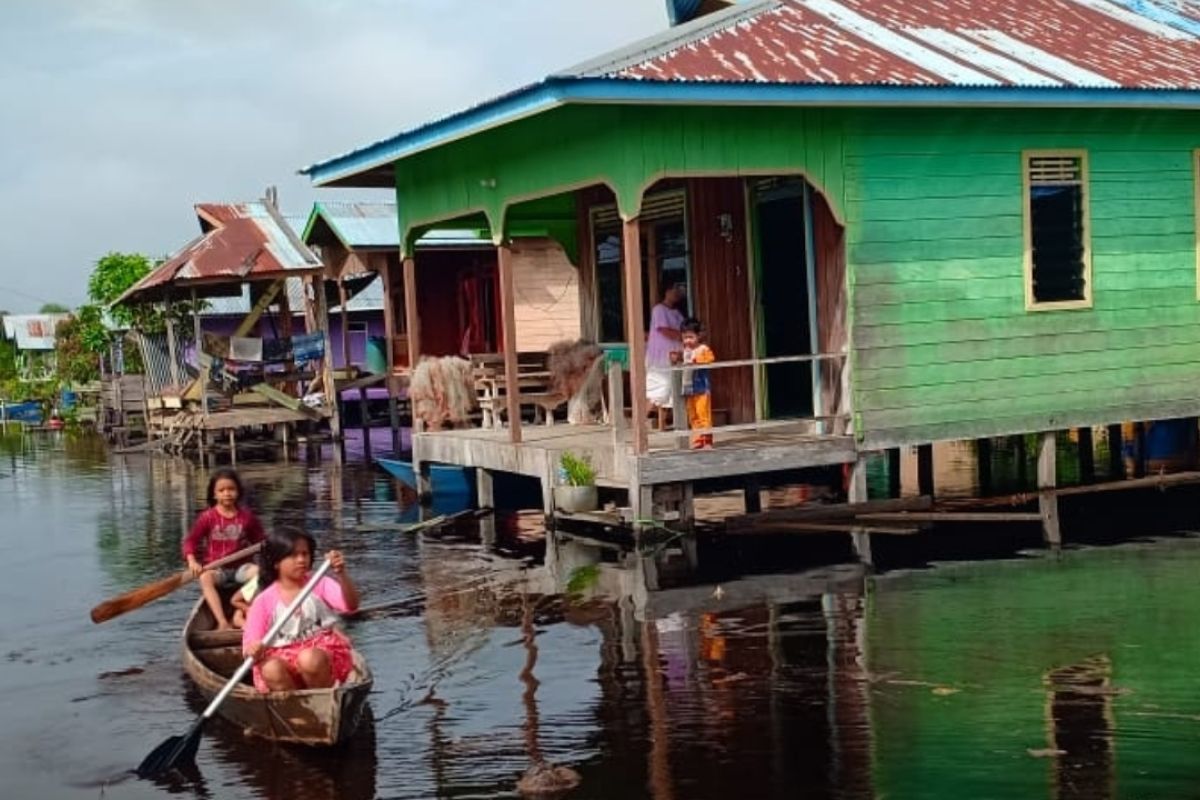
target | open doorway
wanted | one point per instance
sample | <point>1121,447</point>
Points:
<point>786,294</point>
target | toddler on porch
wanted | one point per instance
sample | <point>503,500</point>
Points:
<point>696,385</point>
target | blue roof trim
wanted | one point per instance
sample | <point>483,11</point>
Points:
<point>554,92</point>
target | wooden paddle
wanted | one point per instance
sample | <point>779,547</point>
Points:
<point>136,598</point>
<point>178,751</point>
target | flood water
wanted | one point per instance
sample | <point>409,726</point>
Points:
<point>775,669</point>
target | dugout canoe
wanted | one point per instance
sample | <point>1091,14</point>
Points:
<point>318,717</point>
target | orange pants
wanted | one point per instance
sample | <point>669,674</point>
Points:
<point>699,411</point>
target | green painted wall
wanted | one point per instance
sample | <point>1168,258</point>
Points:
<point>626,148</point>
<point>943,347</point>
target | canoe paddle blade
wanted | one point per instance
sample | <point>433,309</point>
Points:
<point>175,752</point>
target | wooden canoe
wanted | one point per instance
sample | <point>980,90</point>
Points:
<point>310,716</point>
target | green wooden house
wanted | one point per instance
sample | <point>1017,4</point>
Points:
<point>903,222</point>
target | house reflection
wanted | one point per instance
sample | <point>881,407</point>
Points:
<point>1080,728</point>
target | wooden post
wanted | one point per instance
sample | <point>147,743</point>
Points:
<point>232,448</point>
<point>389,330</point>
<point>983,463</point>
<point>485,497</point>
<point>1048,480</point>
<point>174,365</point>
<point>752,492</point>
<point>201,369</point>
<point>512,385</point>
<point>635,333</point>
<point>925,486</point>
<point>1087,455</point>
<point>1116,461</point>
<point>616,406</point>
<point>679,418</point>
<point>856,492</point>
<point>317,284</point>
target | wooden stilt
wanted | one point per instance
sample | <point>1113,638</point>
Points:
<point>232,448</point>
<point>983,462</point>
<point>857,493</point>
<point>412,324</point>
<point>753,495</point>
<point>925,485</point>
<point>1087,455</point>
<point>1116,461</point>
<point>1048,480</point>
<point>389,330</point>
<point>485,497</point>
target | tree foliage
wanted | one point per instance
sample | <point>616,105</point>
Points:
<point>111,277</point>
<point>76,361</point>
<point>53,308</point>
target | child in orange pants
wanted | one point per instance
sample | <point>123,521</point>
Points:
<point>696,382</point>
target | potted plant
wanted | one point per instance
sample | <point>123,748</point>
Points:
<point>577,491</point>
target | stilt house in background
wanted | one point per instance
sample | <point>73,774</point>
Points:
<point>202,383</point>
<point>901,222</point>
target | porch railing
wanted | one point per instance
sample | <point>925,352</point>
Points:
<point>823,383</point>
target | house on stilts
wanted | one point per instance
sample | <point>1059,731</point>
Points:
<point>900,222</point>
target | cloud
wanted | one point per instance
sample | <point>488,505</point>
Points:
<point>127,112</point>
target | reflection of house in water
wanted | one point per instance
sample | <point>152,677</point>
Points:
<point>1079,729</point>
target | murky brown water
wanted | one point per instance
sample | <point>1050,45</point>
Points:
<point>779,670</point>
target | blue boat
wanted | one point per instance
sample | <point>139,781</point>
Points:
<point>444,480</point>
<point>29,413</point>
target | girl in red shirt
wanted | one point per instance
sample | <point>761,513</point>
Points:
<point>222,528</point>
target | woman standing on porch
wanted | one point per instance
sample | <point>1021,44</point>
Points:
<point>663,339</point>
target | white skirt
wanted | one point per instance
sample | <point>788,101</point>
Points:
<point>658,386</point>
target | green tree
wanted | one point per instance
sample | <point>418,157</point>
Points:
<point>53,308</point>
<point>76,361</point>
<point>111,277</point>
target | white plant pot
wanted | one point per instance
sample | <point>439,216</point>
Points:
<point>573,499</point>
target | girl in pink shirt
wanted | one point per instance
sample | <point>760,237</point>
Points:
<point>310,651</point>
<point>221,529</point>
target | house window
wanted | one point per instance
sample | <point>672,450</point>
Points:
<point>356,334</point>
<point>665,258</point>
<point>1058,260</point>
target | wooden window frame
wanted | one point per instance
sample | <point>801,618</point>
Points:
<point>1026,186</point>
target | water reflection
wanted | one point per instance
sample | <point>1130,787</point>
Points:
<point>772,671</point>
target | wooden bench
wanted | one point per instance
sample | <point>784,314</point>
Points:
<point>534,384</point>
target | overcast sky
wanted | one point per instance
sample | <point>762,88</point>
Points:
<point>116,116</point>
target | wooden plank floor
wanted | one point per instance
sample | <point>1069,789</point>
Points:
<point>734,454</point>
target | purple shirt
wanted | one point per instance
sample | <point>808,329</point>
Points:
<point>659,346</point>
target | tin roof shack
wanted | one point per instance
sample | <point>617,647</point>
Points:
<point>33,337</point>
<point>904,222</point>
<point>209,383</point>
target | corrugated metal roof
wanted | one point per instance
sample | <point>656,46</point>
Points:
<point>358,224</point>
<point>1025,43</point>
<point>1010,52</point>
<point>243,242</point>
<point>32,331</point>
<point>376,225</point>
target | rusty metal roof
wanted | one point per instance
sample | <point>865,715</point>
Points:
<point>241,242</point>
<point>1042,53</point>
<point>1146,44</point>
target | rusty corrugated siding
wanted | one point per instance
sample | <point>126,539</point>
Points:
<point>1081,43</point>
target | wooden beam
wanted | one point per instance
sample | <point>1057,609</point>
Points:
<point>268,297</point>
<point>512,386</point>
<point>635,333</point>
<point>389,330</point>
<point>843,527</point>
<point>317,284</point>
<point>202,381</point>
<point>951,516</point>
<point>841,511</point>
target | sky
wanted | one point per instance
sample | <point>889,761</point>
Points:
<point>117,116</point>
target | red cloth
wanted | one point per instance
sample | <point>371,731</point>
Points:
<point>331,640</point>
<point>214,536</point>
